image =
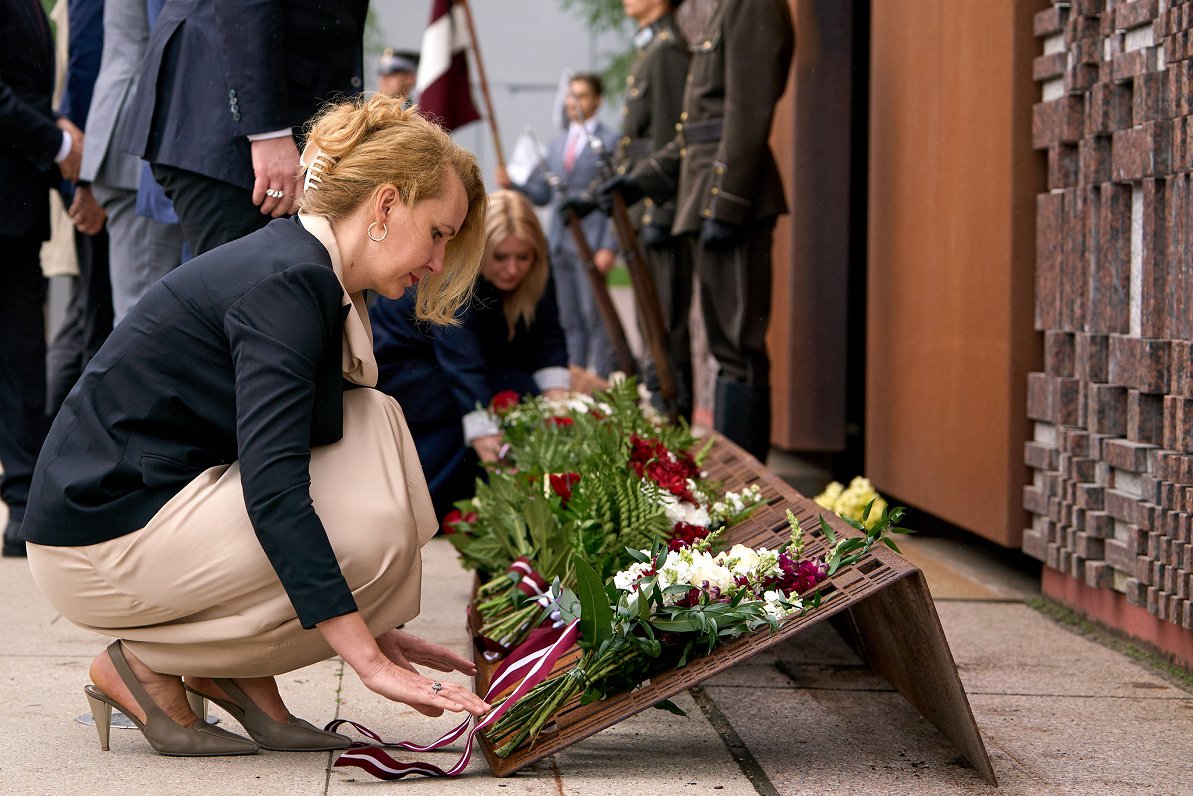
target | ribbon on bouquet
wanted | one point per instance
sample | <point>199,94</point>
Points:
<point>530,583</point>
<point>526,580</point>
<point>531,663</point>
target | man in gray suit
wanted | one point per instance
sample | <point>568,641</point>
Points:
<point>141,249</point>
<point>572,166</point>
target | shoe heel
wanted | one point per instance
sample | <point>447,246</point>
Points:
<point>198,704</point>
<point>102,713</point>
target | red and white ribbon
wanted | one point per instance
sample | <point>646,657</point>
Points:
<point>530,583</point>
<point>530,663</point>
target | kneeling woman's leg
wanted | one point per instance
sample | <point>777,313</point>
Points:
<point>192,592</point>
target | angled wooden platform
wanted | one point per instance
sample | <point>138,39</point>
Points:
<point>881,606</point>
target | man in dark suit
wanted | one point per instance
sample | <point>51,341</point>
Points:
<point>728,194</point>
<point>88,319</point>
<point>224,91</point>
<point>572,165</point>
<point>141,249</point>
<point>30,145</point>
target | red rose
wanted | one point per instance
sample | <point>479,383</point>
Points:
<point>560,420</point>
<point>454,518</point>
<point>503,401</point>
<point>562,483</point>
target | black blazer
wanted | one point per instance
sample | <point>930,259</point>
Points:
<point>216,71</point>
<point>235,355</point>
<point>446,371</point>
<point>29,139</point>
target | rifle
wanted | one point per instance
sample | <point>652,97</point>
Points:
<point>600,290</point>
<point>645,291</point>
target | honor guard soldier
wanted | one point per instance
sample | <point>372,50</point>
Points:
<point>653,102</point>
<point>728,193</point>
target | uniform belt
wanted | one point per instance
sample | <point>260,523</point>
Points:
<point>638,147</point>
<point>703,130</point>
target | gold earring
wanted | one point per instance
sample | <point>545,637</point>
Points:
<point>384,232</point>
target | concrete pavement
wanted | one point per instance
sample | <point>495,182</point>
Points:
<point>1059,713</point>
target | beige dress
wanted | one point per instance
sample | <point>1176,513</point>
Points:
<point>193,592</point>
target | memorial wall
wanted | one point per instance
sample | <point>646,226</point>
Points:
<point>1111,449</point>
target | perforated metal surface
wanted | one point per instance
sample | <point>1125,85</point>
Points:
<point>767,526</point>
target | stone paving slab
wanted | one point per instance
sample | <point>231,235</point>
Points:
<point>1008,648</point>
<point>1059,714</point>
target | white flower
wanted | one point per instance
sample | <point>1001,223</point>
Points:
<point>627,578</point>
<point>706,570</point>
<point>740,559</point>
<point>682,511</point>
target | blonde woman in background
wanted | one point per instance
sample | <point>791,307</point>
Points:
<point>225,493</point>
<point>508,338</point>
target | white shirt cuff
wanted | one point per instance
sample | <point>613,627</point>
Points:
<point>63,148</point>
<point>479,423</point>
<point>272,134</point>
<point>553,378</point>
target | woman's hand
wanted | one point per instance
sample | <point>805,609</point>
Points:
<point>349,636</point>
<point>402,685</point>
<point>488,448</point>
<point>406,649</point>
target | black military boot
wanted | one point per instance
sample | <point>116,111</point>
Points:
<point>682,373</point>
<point>742,413</point>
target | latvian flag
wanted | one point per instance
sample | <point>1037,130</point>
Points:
<point>442,86</point>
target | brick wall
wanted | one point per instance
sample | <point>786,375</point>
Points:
<point>1111,494</point>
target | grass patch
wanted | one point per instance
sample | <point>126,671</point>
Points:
<point>619,276</point>
<point>1070,619</point>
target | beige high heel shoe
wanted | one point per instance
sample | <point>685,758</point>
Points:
<point>296,735</point>
<point>166,736</point>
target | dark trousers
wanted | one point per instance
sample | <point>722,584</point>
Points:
<point>735,290</point>
<point>211,212</point>
<point>671,268</point>
<point>88,320</point>
<point>22,366</point>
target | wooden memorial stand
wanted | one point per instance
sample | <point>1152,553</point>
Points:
<point>881,606</point>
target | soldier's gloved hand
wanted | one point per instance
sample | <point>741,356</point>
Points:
<point>624,184</point>
<point>718,234</point>
<point>656,236</point>
<point>581,204</point>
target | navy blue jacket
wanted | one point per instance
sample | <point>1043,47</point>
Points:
<point>438,374</point>
<point>448,371</point>
<point>217,71</point>
<point>235,355</point>
<point>29,139</point>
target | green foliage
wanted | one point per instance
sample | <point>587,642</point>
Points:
<point>596,617</point>
<point>599,15</point>
<point>849,550</point>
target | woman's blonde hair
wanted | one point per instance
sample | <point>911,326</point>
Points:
<point>360,145</point>
<point>510,213</point>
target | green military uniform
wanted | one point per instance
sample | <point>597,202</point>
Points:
<point>724,177</point>
<point>653,102</point>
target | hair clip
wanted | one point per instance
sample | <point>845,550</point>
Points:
<point>315,166</point>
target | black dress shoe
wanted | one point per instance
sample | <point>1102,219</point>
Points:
<point>13,547</point>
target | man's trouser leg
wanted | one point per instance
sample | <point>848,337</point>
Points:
<point>735,293</point>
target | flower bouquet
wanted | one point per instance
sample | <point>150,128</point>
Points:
<point>588,476</point>
<point>849,502</point>
<point>671,605</point>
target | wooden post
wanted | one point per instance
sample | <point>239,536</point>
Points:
<point>484,81</point>
<point>647,296</point>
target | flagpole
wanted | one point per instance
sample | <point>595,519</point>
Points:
<point>484,80</point>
